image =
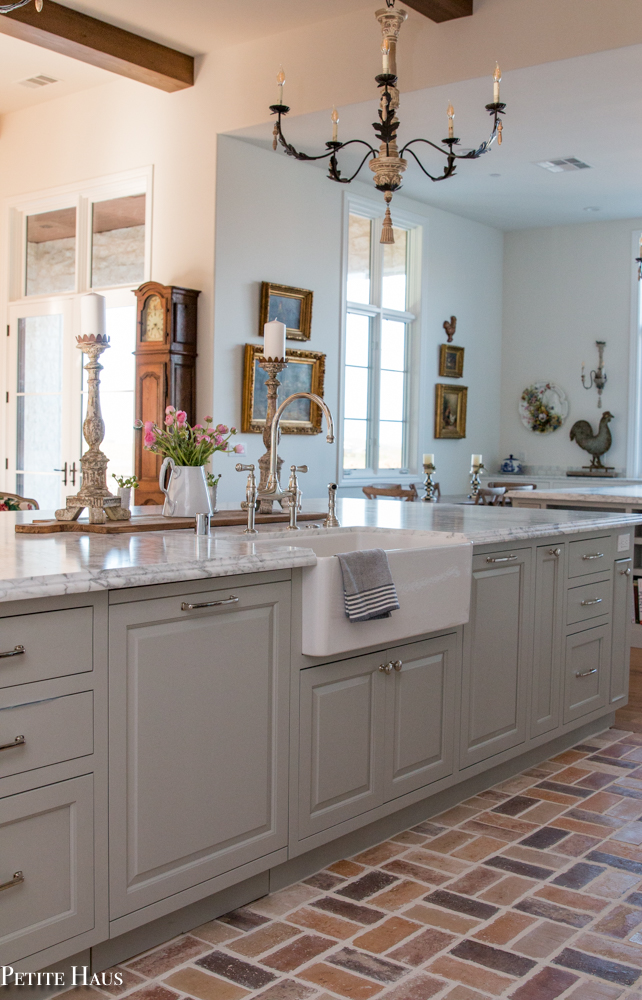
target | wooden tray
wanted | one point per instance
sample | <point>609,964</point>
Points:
<point>156,522</point>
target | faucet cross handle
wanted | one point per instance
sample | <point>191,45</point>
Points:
<point>251,494</point>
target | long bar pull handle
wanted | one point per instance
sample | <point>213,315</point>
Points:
<point>64,471</point>
<point>626,572</point>
<point>18,742</point>
<point>500,559</point>
<point>587,673</point>
<point>16,651</point>
<point>587,604</point>
<point>594,555</point>
<point>209,604</point>
<point>17,879</point>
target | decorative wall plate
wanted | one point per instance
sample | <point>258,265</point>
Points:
<point>543,407</point>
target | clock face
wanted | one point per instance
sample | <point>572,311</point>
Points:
<point>154,320</point>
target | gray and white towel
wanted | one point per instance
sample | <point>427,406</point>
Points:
<point>368,588</point>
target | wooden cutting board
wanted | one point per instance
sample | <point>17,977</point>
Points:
<point>156,522</point>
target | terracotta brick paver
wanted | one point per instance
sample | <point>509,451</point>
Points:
<point>531,890</point>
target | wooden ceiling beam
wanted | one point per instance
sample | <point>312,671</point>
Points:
<point>101,44</point>
<point>442,10</point>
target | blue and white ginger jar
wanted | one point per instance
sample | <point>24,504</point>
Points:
<point>511,466</point>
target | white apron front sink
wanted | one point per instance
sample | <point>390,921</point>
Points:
<point>432,572</point>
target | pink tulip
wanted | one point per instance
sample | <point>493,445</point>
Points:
<point>239,449</point>
<point>222,429</point>
<point>181,418</point>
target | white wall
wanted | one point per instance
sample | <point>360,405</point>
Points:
<point>280,220</point>
<point>564,288</point>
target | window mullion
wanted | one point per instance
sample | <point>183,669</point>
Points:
<point>375,392</point>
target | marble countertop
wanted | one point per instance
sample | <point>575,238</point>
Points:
<point>619,495</point>
<point>51,565</point>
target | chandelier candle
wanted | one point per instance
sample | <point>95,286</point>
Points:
<point>335,124</point>
<point>387,163</point>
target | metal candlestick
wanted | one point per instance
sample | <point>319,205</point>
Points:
<point>93,493</point>
<point>430,495</point>
<point>597,377</point>
<point>272,367</point>
<point>475,484</point>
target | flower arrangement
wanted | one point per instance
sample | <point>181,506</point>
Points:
<point>542,418</point>
<point>189,445</point>
<point>126,482</point>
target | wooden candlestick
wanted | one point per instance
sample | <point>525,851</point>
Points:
<point>272,367</point>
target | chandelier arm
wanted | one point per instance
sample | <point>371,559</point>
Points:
<point>6,8</point>
<point>449,170</point>
<point>291,151</point>
<point>335,173</point>
<point>493,109</point>
<point>428,143</point>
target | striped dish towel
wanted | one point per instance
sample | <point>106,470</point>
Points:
<point>368,589</point>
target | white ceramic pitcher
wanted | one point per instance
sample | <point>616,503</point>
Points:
<point>186,494</point>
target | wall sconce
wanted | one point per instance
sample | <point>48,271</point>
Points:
<point>597,377</point>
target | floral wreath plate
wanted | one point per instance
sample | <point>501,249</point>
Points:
<point>543,407</point>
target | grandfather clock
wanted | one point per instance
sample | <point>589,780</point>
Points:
<point>165,369</point>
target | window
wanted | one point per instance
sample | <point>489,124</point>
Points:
<point>381,311</point>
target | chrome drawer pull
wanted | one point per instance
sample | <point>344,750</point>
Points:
<point>594,555</point>
<point>385,668</point>
<point>398,665</point>
<point>16,651</point>
<point>587,673</point>
<point>587,604</point>
<point>18,742</point>
<point>498,559</point>
<point>210,604</point>
<point>626,572</point>
<point>554,552</point>
<point>18,877</point>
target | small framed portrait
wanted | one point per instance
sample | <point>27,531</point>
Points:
<point>451,361</point>
<point>450,411</point>
<point>292,306</point>
<point>305,373</point>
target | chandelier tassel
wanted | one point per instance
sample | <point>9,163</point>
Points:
<point>387,232</point>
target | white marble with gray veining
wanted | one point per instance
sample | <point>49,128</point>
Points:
<point>51,565</point>
<point>617,495</point>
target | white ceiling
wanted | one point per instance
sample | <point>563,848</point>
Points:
<point>589,107</point>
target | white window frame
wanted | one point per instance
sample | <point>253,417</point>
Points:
<point>415,227</point>
<point>634,430</point>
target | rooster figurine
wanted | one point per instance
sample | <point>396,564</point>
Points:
<point>595,444</point>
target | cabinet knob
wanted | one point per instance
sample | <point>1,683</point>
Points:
<point>554,552</point>
<point>398,665</point>
<point>385,668</point>
<point>626,572</point>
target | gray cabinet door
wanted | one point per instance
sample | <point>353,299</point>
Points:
<point>587,680</point>
<point>547,640</point>
<point>342,717</point>
<point>199,740</point>
<point>47,835</point>
<point>621,619</point>
<point>420,710</point>
<point>496,656</point>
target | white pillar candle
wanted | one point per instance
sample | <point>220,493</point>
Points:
<point>274,334</point>
<point>475,461</point>
<point>92,314</point>
<point>429,459</point>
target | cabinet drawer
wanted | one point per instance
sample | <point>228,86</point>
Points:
<point>591,555</point>
<point>588,601</point>
<point>587,671</point>
<point>53,730</point>
<point>55,644</point>
<point>47,835</point>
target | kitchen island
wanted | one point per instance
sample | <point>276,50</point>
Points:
<point>169,751</point>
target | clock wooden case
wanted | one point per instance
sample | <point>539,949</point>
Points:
<point>165,369</point>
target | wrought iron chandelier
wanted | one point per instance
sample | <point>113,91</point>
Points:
<point>6,8</point>
<point>388,163</point>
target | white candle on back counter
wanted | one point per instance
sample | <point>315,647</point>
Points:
<point>429,459</point>
<point>274,334</point>
<point>92,315</point>
<point>475,461</point>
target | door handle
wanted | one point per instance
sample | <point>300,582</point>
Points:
<point>594,555</point>
<point>64,471</point>
<point>18,742</point>
<point>209,604</point>
<point>500,559</point>
<point>587,673</point>
<point>587,604</point>
<point>16,651</point>
<point>73,471</point>
<point>18,877</point>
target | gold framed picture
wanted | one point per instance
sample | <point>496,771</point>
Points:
<point>451,361</point>
<point>305,373</point>
<point>450,411</point>
<point>292,306</point>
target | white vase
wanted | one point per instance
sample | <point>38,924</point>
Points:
<point>186,493</point>
<point>125,494</point>
<point>212,492</point>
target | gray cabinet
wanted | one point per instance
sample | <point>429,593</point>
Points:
<point>622,614</point>
<point>497,655</point>
<point>199,695</point>
<point>587,671</point>
<point>373,728</point>
<point>547,639</point>
<point>47,841</point>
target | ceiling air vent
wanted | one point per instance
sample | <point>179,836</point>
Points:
<point>38,81</point>
<point>563,166</point>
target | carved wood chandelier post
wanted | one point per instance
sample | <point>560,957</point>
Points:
<point>388,163</point>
